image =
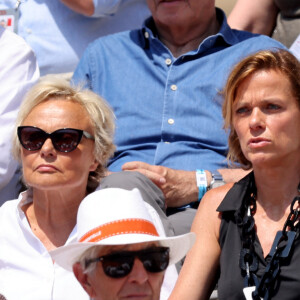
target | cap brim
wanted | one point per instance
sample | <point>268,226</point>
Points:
<point>66,256</point>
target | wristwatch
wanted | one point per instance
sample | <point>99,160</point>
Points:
<point>217,180</point>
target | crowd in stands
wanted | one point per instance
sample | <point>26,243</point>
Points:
<point>116,158</point>
<point>59,31</point>
<point>180,124</point>
<point>58,34</point>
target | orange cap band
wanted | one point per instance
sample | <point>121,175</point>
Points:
<point>127,226</point>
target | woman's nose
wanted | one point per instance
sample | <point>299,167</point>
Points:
<point>48,148</point>
<point>257,119</point>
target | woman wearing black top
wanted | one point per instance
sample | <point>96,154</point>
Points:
<point>238,245</point>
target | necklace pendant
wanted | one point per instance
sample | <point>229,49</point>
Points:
<point>248,293</point>
<point>247,256</point>
<point>284,241</point>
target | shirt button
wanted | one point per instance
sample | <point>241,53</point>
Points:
<point>167,142</point>
<point>146,34</point>
<point>168,61</point>
<point>173,87</point>
<point>171,121</point>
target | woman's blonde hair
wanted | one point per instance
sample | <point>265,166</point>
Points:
<point>101,117</point>
<point>276,60</point>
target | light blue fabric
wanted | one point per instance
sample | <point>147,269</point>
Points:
<point>106,8</point>
<point>167,114</point>
<point>59,35</point>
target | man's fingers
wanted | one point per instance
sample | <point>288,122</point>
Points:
<point>154,177</point>
<point>132,165</point>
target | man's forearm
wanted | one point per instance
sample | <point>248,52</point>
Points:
<point>84,7</point>
<point>186,187</point>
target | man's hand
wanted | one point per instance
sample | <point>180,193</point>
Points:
<point>179,187</point>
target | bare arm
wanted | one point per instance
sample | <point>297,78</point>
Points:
<point>257,16</point>
<point>84,7</point>
<point>179,186</point>
<point>198,275</point>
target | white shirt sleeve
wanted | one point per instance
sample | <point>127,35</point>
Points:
<point>18,72</point>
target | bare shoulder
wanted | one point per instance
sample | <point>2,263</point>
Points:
<point>207,215</point>
<point>200,270</point>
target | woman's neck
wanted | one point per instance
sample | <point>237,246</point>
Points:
<point>52,215</point>
<point>277,187</point>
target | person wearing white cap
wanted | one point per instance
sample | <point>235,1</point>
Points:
<point>121,250</point>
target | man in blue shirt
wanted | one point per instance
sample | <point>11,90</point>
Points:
<point>164,83</point>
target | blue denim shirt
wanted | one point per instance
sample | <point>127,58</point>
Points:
<point>168,110</point>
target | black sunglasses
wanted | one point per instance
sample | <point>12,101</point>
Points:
<point>64,140</point>
<point>120,264</point>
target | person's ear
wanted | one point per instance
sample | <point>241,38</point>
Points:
<point>94,166</point>
<point>83,278</point>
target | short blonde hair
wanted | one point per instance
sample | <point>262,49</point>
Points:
<point>101,117</point>
<point>278,60</point>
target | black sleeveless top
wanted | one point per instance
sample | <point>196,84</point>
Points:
<point>231,282</point>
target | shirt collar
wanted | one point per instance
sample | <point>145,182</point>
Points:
<point>27,197</point>
<point>225,31</point>
<point>148,32</point>
<point>24,198</point>
<point>227,35</point>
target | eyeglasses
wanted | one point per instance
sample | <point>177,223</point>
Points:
<point>64,140</point>
<point>120,264</point>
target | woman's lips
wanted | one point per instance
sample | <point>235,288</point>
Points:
<point>258,142</point>
<point>46,168</point>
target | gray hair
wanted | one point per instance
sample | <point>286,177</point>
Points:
<point>101,116</point>
<point>89,254</point>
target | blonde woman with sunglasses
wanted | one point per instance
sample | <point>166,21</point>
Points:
<point>63,139</point>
